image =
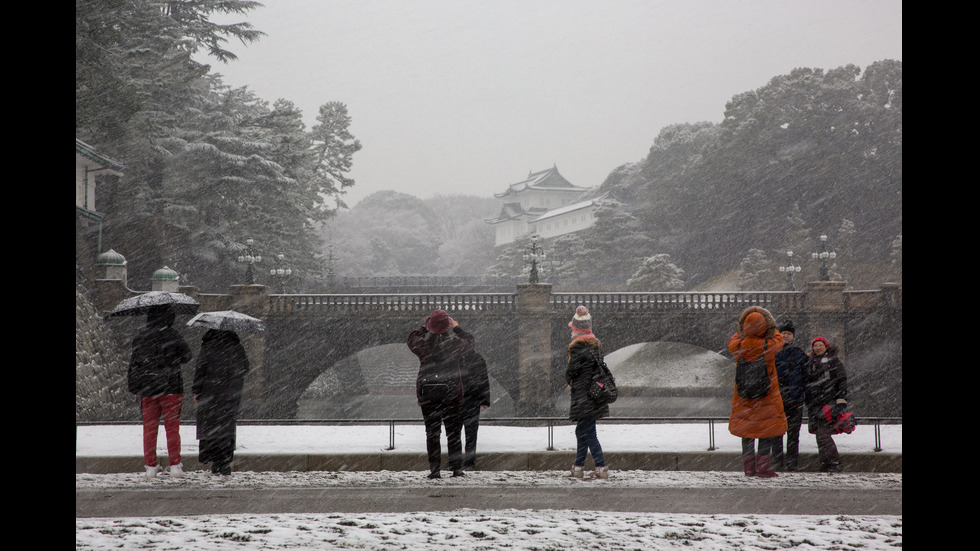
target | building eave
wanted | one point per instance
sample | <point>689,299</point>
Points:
<point>88,152</point>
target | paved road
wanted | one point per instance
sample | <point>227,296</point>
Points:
<point>178,502</point>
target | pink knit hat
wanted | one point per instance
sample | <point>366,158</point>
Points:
<point>582,320</point>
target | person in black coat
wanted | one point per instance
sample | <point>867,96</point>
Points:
<point>154,375</point>
<point>440,345</point>
<point>791,364</point>
<point>826,392</point>
<point>582,409</point>
<point>219,381</point>
<point>476,396</point>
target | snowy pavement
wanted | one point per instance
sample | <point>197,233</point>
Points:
<point>566,526</point>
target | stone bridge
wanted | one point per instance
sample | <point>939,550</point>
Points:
<point>524,334</point>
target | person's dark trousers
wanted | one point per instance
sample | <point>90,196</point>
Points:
<point>794,420</point>
<point>827,449</point>
<point>435,418</point>
<point>471,424</point>
<point>587,441</point>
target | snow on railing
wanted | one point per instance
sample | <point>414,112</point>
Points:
<point>614,301</point>
<point>728,301</point>
<point>450,302</point>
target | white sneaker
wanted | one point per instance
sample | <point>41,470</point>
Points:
<point>601,473</point>
<point>151,472</point>
<point>576,472</point>
<point>177,471</point>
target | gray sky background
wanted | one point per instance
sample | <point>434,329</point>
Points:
<point>468,96</point>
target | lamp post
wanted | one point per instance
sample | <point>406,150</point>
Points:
<point>823,255</point>
<point>790,269</point>
<point>533,254</point>
<point>281,270</point>
<point>249,258</point>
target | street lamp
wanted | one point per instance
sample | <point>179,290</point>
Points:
<point>823,255</point>
<point>533,255</point>
<point>790,269</point>
<point>282,271</point>
<point>248,259</point>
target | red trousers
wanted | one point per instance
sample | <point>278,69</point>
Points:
<point>169,407</point>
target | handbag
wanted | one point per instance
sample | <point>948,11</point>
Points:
<point>602,387</point>
<point>752,377</point>
<point>845,422</point>
<point>436,389</point>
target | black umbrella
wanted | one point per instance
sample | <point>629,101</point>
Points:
<point>228,320</point>
<point>141,304</point>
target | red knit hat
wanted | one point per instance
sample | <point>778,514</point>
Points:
<point>821,339</point>
<point>437,322</point>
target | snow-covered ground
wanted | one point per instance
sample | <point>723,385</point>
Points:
<point>509,529</point>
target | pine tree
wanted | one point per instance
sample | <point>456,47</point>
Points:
<point>657,274</point>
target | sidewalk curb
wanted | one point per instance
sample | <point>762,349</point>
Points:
<point>881,462</point>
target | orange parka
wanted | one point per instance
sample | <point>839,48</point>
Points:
<point>758,417</point>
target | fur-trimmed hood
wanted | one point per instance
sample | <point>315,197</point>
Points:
<point>754,326</point>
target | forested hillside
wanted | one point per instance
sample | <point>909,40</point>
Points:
<point>816,151</point>
<point>812,152</point>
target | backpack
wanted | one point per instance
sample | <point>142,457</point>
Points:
<point>751,377</point>
<point>602,387</point>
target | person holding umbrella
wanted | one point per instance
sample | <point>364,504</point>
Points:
<point>154,375</point>
<point>219,382</point>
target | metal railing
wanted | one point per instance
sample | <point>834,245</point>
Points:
<point>549,422</point>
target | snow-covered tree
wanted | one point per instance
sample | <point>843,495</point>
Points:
<point>755,272</point>
<point>657,274</point>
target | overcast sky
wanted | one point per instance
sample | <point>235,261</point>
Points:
<point>468,96</point>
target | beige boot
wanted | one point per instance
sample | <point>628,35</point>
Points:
<point>576,472</point>
<point>601,473</point>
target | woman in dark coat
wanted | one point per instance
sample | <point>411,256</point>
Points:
<point>440,345</point>
<point>219,378</point>
<point>826,388</point>
<point>582,409</point>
